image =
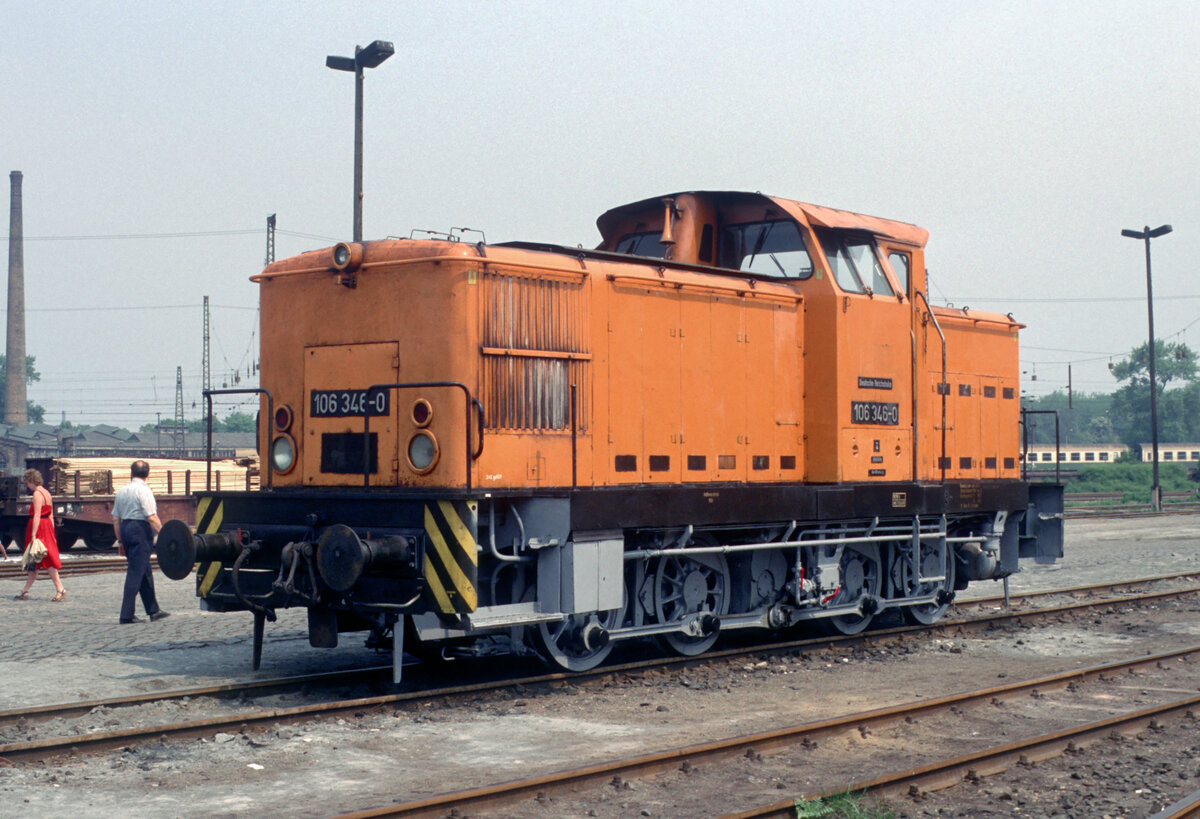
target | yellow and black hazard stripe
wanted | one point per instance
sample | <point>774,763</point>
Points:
<point>451,570</point>
<point>209,516</point>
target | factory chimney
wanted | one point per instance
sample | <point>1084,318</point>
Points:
<point>14,386</point>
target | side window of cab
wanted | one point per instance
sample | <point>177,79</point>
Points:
<point>901,264</point>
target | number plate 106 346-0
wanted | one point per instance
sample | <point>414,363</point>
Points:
<point>347,403</point>
<point>874,412</point>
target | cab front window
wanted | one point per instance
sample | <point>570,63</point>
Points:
<point>774,249</point>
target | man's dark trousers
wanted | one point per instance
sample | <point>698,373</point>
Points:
<point>138,539</point>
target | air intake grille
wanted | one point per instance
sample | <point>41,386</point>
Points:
<point>535,331</point>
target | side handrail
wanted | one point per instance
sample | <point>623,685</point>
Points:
<point>944,386</point>
<point>475,456</point>
<point>1025,436</point>
<point>471,402</point>
<point>208,394</point>
<point>707,287</point>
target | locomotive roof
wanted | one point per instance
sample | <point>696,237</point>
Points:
<point>817,215</point>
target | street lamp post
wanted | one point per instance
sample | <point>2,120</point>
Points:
<point>1146,234</point>
<point>368,57</point>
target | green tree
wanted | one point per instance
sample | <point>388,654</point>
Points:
<point>1083,418</point>
<point>36,413</point>
<point>1100,427</point>
<point>1177,407</point>
<point>234,422</point>
<point>239,422</point>
<point>1173,361</point>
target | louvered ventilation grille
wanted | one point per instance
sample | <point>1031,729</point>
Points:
<point>534,349</point>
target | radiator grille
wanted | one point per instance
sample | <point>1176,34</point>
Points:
<point>534,348</point>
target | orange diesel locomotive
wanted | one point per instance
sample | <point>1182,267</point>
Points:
<point>739,411</point>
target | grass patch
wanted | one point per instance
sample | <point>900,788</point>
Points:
<point>843,806</point>
<point>1133,481</point>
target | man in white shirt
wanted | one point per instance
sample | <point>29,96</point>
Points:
<point>135,520</point>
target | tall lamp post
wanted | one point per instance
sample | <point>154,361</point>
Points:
<point>1146,234</point>
<point>369,57</point>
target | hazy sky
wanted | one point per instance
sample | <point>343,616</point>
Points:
<point>1023,136</point>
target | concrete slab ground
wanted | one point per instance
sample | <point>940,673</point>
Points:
<point>76,650</point>
<point>58,652</point>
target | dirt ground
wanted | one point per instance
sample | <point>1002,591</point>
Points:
<point>372,759</point>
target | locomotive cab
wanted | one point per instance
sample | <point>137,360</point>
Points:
<point>885,374</point>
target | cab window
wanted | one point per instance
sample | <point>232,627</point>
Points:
<point>854,264</point>
<point>642,244</point>
<point>869,268</point>
<point>774,249</point>
<point>900,263</point>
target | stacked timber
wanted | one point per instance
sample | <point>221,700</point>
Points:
<point>168,476</point>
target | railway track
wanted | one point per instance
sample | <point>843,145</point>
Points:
<point>248,720</point>
<point>73,566</point>
<point>1075,591</point>
<point>936,775</point>
<point>999,759</point>
<point>1140,510</point>
<point>379,673</point>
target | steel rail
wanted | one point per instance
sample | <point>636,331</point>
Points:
<point>1118,513</point>
<point>1065,608</point>
<point>1186,808</point>
<point>67,710</point>
<point>1112,584</point>
<point>71,567</point>
<point>494,796</point>
<point>947,773</point>
<point>228,690</point>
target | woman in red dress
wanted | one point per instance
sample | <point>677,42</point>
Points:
<point>41,526</point>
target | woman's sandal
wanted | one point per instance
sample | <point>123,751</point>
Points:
<point>22,596</point>
<point>58,598</point>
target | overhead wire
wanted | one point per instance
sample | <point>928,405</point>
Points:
<point>185,234</point>
<point>87,394</point>
<point>1070,299</point>
<point>47,387</point>
<point>191,234</point>
<point>116,308</point>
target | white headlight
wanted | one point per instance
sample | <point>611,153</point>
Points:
<point>283,453</point>
<point>422,451</point>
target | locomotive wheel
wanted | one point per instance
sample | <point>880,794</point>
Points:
<point>861,576</point>
<point>686,585</point>
<point>575,643</point>
<point>933,564</point>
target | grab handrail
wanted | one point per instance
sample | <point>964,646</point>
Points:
<point>944,386</point>
<point>471,402</point>
<point>1025,437</point>
<point>208,394</point>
